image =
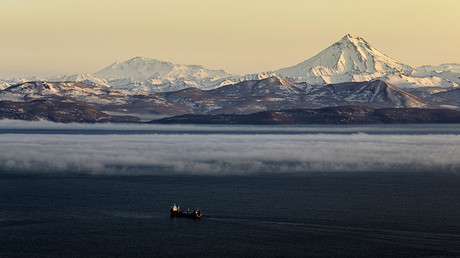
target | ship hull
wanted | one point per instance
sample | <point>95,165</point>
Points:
<point>185,214</point>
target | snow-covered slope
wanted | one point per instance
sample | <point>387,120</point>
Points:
<point>85,78</point>
<point>256,76</point>
<point>5,83</point>
<point>146,74</point>
<point>350,59</point>
<point>63,91</point>
<point>419,83</point>
<point>141,68</point>
<point>450,72</point>
<point>452,67</point>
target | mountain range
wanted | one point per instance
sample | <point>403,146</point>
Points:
<point>351,59</point>
<point>348,73</point>
<point>273,93</point>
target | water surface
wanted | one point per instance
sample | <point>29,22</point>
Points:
<point>352,214</point>
<point>266,191</point>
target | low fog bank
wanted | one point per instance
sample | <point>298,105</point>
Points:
<point>223,154</point>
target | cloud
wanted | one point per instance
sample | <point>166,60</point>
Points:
<point>227,154</point>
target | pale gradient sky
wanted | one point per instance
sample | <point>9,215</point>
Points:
<point>50,37</point>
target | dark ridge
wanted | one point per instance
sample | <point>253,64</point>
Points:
<point>57,111</point>
<point>329,115</point>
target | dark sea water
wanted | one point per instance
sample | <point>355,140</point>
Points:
<point>338,215</point>
<point>313,191</point>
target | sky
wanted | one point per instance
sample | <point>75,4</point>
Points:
<point>53,37</point>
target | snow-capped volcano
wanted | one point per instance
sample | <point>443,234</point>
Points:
<point>141,68</point>
<point>350,59</point>
<point>146,74</point>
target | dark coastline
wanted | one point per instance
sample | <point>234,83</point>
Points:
<point>329,115</point>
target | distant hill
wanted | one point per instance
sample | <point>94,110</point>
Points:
<point>276,93</point>
<point>58,111</point>
<point>329,115</point>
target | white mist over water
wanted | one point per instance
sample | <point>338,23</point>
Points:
<point>223,153</point>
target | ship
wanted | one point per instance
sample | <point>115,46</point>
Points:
<point>176,212</point>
